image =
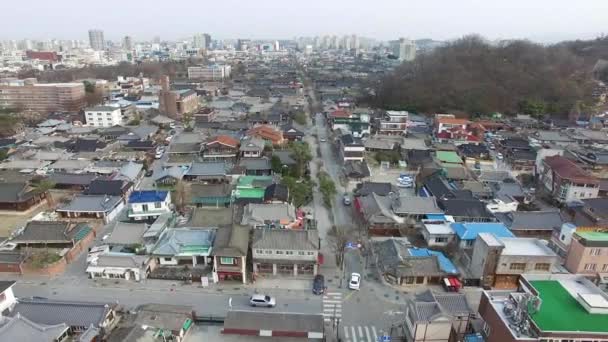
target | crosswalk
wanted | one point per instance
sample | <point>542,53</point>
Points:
<point>360,334</point>
<point>332,306</point>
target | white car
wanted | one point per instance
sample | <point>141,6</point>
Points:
<point>158,155</point>
<point>499,156</point>
<point>262,300</point>
<point>355,281</point>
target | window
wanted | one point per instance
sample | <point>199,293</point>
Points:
<point>268,252</point>
<point>311,253</point>
<point>590,267</point>
<point>259,251</point>
<point>517,266</point>
<point>441,239</point>
<point>289,252</point>
<point>469,243</point>
<point>301,253</point>
<point>227,261</point>
<point>595,251</point>
<point>279,252</point>
<point>157,205</point>
<point>542,267</point>
<point>168,259</point>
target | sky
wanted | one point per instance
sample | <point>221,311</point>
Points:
<point>543,21</point>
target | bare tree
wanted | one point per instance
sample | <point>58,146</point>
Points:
<point>337,239</point>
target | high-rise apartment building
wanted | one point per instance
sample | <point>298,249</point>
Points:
<point>41,97</point>
<point>96,40</point>
<point>404,49</point>
<point>214,72</point>
<point>127,43</point>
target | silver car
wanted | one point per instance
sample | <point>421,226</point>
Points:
<point>262,300</point>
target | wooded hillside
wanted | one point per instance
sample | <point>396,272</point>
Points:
<point>473,76</point>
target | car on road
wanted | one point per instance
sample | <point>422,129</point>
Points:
<point>318,284</point>
<point>158,155</point>
<point>346,199</point>
<point>355,281</point>
<point>149,173</point>
<point>262,300</point>
<point>322,140</point>
<point>499,156</point>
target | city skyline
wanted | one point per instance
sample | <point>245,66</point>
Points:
<point>386,20</point>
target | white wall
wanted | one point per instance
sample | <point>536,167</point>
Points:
<point>108,118</point>
<point>9,299</point>
<point>294,256</point>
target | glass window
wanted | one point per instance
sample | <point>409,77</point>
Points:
<point>279,252</point>
<point>289,252</point>
<point>157,205</point>
<point>268,252</point>
<point>311,253</point>
<point>517,266</point>
<point>590,267</point>
<point>542,267</point>
<point>301,253</point>
<point>226,261</point>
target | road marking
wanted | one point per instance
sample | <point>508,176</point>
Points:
<point>332,301</point>
<point>336,310</point>
<point>334,293</point>
<point>374,333</point>
<point>331,314</point>
<point>360,331</point>
<point>327,319</point>
<point>367,334</point>
<point>345,332</point>
<point>354,334</point>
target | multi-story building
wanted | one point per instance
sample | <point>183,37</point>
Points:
<point>393,122</point>
<point>404,49</point>
<point>42,97</point>
<point>499,262</point>
<point>174,103</point>
<point>443,124</point>
<point>96,40</point>
<point>566,181</point>
<point>148,204</point>
<point>214,72</point>
<point>103,116</point>
<point>127,43</point>
<point>285,251</point>
<point>588,253</point>
<point>547,307</point>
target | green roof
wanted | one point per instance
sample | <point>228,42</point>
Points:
<point>560,311</point>
<point>448,157</point>
<point>593,236</point>
<point>248,180</point>
<point>250,193</point>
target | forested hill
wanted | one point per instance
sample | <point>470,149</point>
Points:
<point>473,76</point>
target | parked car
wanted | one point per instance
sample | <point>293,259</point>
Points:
<point>262,300</point>
<point>149,173</point>
<point>322,140</point>
<point>158,155</point>
<point>318,285</point>
<point>355,281</point>
<point>499,156</point>
<point>346,199</point>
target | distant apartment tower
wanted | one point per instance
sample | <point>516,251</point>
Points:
<point>103,116</point>
<point>127,43</point>
<point>174,103</point>
<point>96,40</point>
<point>404,49</point>
<point>43,98</point>
<point>214,72</point>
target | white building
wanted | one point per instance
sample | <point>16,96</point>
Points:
<point>404,49</point>
<point>103,116</point>
<point>215,72</point>
<point>148,204</point>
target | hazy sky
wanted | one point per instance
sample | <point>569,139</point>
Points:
<point>539,20</point>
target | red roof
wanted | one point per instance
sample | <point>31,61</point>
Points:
<point>224,140</point>
<point>267,133</point>
<point>453,121</point>
<point>340,114</point>
<point>567,169</point>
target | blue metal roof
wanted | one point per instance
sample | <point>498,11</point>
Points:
<point>444,263</point>
<point>473,338</point>
<point>469,231</point>
<point>435,217</point>
<point>148,196</point>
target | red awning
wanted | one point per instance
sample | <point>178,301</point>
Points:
<point>320,259</point>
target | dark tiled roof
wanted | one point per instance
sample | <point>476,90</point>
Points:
<point>532,220</point>
<point>43,231</point>
<point>106,187</point>
<point>14,192</point>
<point>74,314</point>
<point>232,241</point>
<point>367,188</point>
<point>81,179</point>
<point>6,284</point>
<point>276,192</point>
<point>461,207</point>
